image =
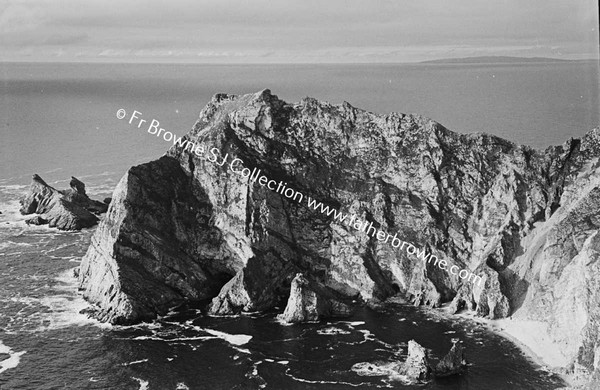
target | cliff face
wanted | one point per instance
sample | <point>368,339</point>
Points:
<point>185,228</point>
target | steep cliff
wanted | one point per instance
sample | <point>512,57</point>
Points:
<point>189,226</point>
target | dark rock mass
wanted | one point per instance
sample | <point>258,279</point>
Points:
<point>453,363</point>
<point>187,227</point>
<point>310,301</point>
<point>70,209</point>
<point>416,366</point>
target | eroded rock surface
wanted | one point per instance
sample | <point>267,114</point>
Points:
<point>416,366</point>
<point>311,302</point>
<point>70,209</point>
<point>185,228</point>
<point>156,248</point>
<point>453,363</point>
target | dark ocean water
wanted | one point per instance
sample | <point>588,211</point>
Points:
<point>59,120</point>
<point>62,116</point>
<point>51,346</point>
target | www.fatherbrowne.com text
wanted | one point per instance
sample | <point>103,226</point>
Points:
<point>237,166</point>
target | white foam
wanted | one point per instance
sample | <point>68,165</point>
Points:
<point>354,323</point>
<point>243,350</point>
<point>323,382</point>
<point>143,384</point>
<point>387,369</point>
<point>332,330</point>
<point>182,386</point>
<point>10,244</point>
<point>235,339</point>
<point>158,338</point>
<point>65,307</point>
<point>10,212</point>
<point>135,362</point>
<point>14,358</point>
<point>15,187</point>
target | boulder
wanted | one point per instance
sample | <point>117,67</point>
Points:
<point>37,220</point>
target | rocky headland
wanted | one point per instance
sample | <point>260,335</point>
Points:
<point>69,209</point>
<point>182,228</point>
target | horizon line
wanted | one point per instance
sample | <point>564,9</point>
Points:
<point>184,62</point>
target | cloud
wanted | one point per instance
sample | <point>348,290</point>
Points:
<point>17,18</point>
<point>286,30</point>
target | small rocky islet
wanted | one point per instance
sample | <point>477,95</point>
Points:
<point>181,228</point>
<point>70,209</point>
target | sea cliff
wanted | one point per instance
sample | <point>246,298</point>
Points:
<point>183,228</point>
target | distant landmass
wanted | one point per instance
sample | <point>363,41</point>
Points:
<point>492,60</point>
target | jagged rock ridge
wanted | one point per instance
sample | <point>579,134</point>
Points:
<point>182,228</point>
<point>69,209</point>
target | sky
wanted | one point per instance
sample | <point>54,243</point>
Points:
<point>301,31</point>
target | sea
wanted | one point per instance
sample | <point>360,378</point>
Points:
<point>59,120</point>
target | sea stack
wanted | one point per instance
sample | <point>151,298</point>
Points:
<point>453,363</point>
<point>70,209</point>
<point>311,302</point>
<point>417,366</point>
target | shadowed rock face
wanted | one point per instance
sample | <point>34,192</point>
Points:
<point>416,366</point>
<point>453,363</point>
<point>184,228</point>
<point>70,209</point>
<point>309,301</point>
<point>156,248</point>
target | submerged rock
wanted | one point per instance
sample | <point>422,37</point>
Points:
<point>311,302</point>
<point>70,209</point>
<point>192,225</point>
<point>37,220</point>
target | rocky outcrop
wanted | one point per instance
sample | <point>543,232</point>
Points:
<point>416,366</point>
<point>70,209</point>
<point>311,302</point>
<point>453,363</point>
<point>191,226</point>
<point>156,248</point>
